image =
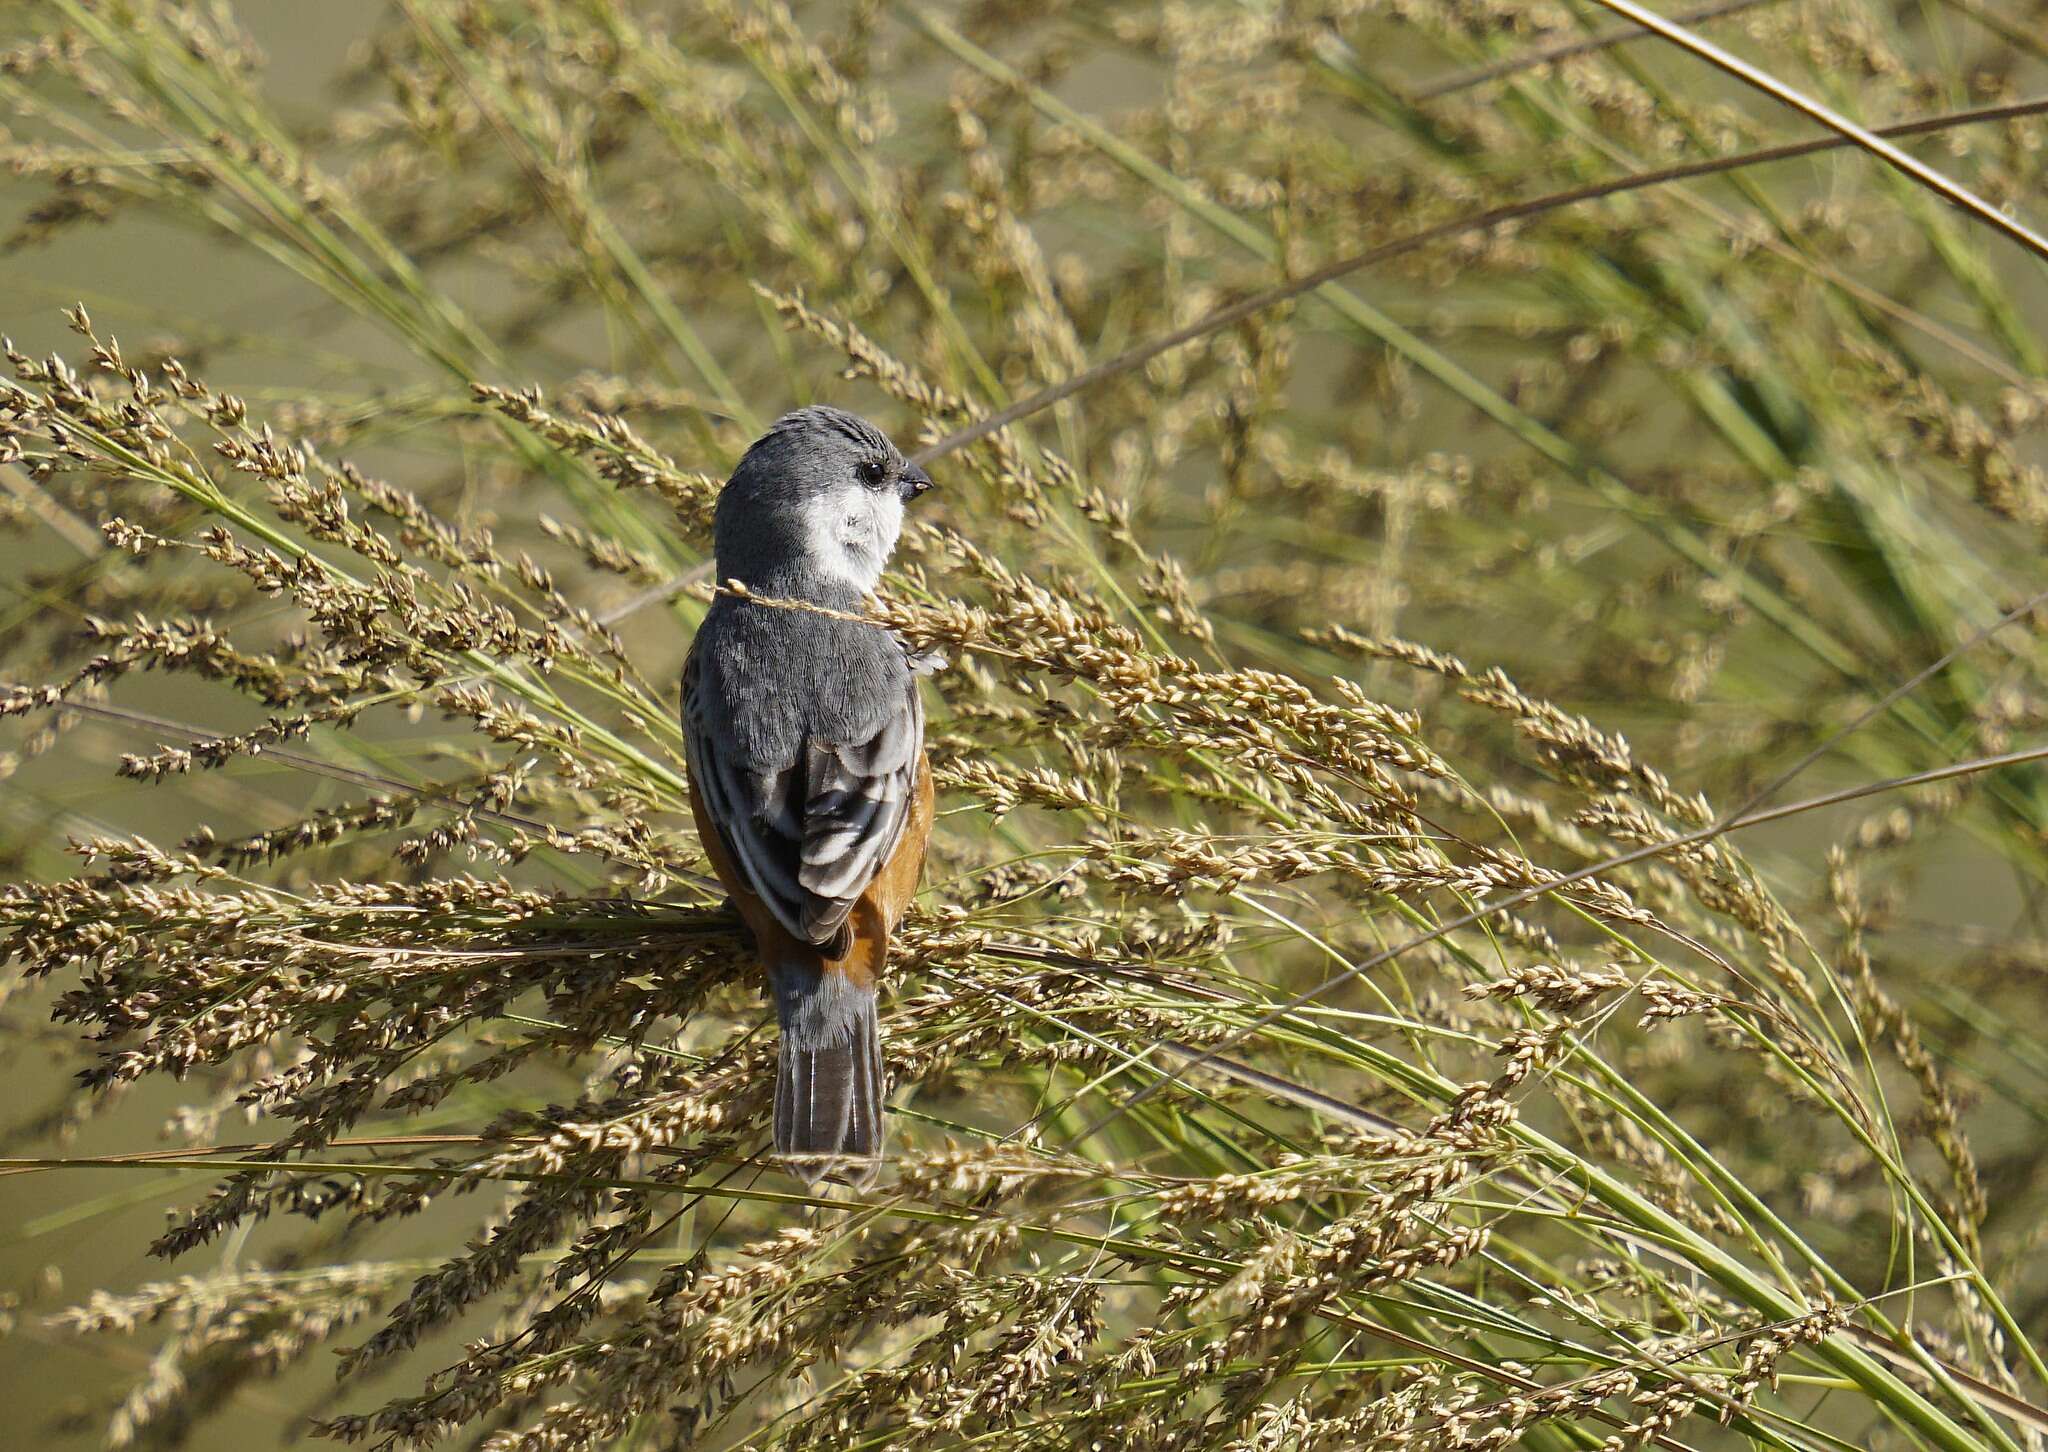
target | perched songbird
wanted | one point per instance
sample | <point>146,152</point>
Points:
<point>807,765</point>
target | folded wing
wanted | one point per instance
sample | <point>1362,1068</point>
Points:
<point>809,834</point>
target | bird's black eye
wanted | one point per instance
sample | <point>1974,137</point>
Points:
<point>873,473</point>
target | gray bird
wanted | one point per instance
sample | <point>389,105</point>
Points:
<point>806,761</point>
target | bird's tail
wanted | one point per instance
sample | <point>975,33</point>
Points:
<point>828,1085</point>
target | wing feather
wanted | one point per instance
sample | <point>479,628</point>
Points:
<point>810,837</point>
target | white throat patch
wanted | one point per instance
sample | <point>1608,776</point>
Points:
<point>851,533</point>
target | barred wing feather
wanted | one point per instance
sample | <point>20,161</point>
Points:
<point>811,835</point>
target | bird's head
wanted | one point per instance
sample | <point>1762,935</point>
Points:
<point>821,494</point>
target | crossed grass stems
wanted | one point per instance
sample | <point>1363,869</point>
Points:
<point>449,339</point>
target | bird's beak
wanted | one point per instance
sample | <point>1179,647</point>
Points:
<point>913,482</point>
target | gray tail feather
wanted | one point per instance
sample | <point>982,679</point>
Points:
<point>828,1084</point>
